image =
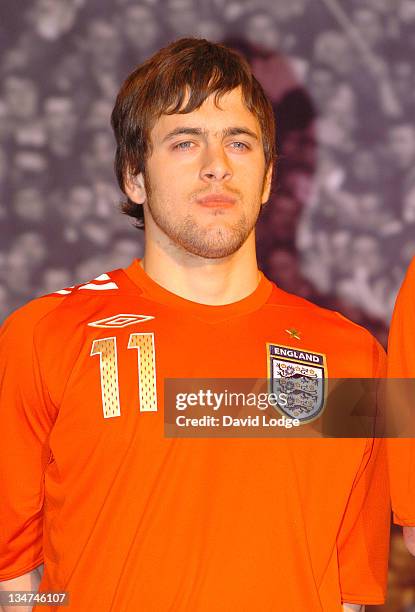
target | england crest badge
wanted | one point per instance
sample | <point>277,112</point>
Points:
<point>298,380</point>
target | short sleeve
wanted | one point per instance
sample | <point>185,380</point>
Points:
<point>363,539</point>
<point>401,354</point>
<point>26,419</point>
<point>401,364</point>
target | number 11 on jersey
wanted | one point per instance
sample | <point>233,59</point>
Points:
<point>106,348</point>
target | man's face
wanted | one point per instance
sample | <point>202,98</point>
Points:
<point>262,30</point>
<point>369,23</point>
<point>205,178</point>
<point>51,18</point>
<point>141,27</point>
<point>402,145</point>
<point>407,11</point>
<point>21,97</point>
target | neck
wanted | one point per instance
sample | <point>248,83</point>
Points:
<point>206,281</point>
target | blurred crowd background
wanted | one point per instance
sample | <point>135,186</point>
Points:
<point>339,228</point>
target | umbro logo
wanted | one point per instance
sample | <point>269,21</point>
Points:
<point>120,320</point>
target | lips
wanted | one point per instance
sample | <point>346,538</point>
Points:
<point>216,199</point>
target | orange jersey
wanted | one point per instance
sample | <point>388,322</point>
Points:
<point>125,518</point>
<point>401,364</point>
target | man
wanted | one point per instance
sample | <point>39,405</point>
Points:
<point>122,517</point>
<point>401,364</point>
<point>400,181</point>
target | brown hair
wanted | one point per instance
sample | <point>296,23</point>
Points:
<point>159,85</point>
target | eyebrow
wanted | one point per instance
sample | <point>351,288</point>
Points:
<point>230,131</point>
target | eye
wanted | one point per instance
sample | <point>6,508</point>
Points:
<point>240,146</point>
<point>183,146</point>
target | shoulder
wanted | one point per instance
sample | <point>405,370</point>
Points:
<point>409,281</point>
<point>331,320</point>
<point>405,300</point>
<point>338,332</point>
<point>25,319</point>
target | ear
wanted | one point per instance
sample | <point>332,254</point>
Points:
<point>267,185</point>
<point>134,187</point>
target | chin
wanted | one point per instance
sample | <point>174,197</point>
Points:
<point>214,245</point>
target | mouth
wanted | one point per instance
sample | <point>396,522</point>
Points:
<point>216,200</point>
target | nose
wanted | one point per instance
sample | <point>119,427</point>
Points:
<point>215,164</point>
